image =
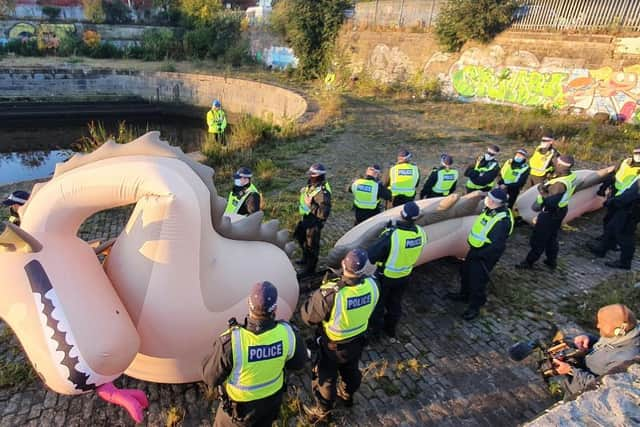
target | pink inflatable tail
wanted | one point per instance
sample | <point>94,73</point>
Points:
<point>134,401</point>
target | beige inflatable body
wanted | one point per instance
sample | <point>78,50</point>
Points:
<point>447,221</point>
<point>584,199</point>
<point>173,278</point>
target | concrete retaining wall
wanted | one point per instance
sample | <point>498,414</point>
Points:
<point>580,73</point>
<point>237,96</point>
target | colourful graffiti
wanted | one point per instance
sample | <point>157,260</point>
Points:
<point>529,88</point>
<point>483,75</point>
<point>21,30</point>
<point>24,29</point>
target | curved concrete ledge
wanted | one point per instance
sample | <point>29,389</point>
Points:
<point>237,95</point>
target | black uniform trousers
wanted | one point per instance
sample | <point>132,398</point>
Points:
<point>307,234</point>
<point>620,229</point>
<point>364,214</point>
<point>430,194</point>
<point>474,275</point>
<point>544,238</point>
<point>400,200</point>
<point>512,191</point>
<point>389,308</point>
<point>333,359</point>
<point>258,413</point>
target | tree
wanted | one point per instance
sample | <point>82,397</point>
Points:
<point>460,21</point>
<point>200,11</point>
<point>311,28</point>
<point>94,11</point>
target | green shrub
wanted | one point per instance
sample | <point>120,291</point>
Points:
<point>133,52</point>
<point>159,44</point>
<point>200,12</point>
<point>238,54</point>
<point>214,39</point>
<point>24,47</point>
<point>460,21</point>
<point>98,135</point>
<point>116,12</point>
<point>105,50</point>
<point>70,44</point>
<point>50,12</point>
<point>196,42</point>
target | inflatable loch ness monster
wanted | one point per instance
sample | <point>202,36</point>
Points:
<point>447,221</point>
<point>172,279</point>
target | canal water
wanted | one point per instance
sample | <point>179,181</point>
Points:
<point>31,147</point>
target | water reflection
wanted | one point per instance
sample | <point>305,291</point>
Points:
<point>16,167</point>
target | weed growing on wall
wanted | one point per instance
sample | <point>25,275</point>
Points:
<point>461,21</point>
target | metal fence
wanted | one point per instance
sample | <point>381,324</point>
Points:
<point>561,15</point>
<point>532,15</point>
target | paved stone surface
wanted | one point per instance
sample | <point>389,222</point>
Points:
<point>442,370</point>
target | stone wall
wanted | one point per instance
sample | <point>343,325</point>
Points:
<point>580,73</point>
<point>237,96</point>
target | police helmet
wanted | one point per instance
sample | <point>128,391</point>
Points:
<point>263,298</point>
<point>354,262</point>
<point>410,210</point>
<point>16,198</point>
<point>404,155</point>
<point>317,169</point>
<point>244,172</point>
<point>216,103</point>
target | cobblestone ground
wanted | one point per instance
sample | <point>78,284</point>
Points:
<point>442,370</point>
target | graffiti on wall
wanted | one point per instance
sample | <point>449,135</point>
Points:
<point>26,30</point>
<point>520,79</point>
<point>278,57</point>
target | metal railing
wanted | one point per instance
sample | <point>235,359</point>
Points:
<point>532,15</point>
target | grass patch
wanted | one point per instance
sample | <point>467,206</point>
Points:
<point>291,409</point>
<point>16,374</point>
<point>619,289</point>
<point>98,135</point>
<point>174,416</point>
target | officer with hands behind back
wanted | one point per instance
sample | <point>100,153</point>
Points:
<point>442,180</point>
<point>342,308</point>
<point>368,194</point>
<point>248,361</point>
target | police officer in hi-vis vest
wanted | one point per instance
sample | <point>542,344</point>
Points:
<point>487,242</point>
<point>442,180</point>
<point>13,202</point>
<point>623,212</point>
<point>341,308</point>
<point>403,179</point>
<point>514,174</point>
<point>368,194</point>
<point>244,198</point>
<point>395,252</point>
<point>217,121</point>
<point>542,161</point>
<point>552,202</point>
<point>484,171</point>
<point>248,361</point>
<point>315,207</point>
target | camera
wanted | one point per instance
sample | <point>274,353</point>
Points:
<point>559,348</point>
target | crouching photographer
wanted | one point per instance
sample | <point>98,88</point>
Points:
<point>618,344</point>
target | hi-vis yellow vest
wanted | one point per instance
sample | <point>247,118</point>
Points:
<point>234,203</point>
<point>310,191</point>
<point>258,362</point>
<point>484,223</point>
<point>569,182</point>
<point>365,193</point>
<point>541,163</point>
<point>446,179</point>
<point>510,175</point>
<point>406,247</point>
<point>625,175</point>
<point>482,169</point>
<point>352,308</point>
<point>403,179</point>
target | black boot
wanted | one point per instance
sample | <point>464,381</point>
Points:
<point>596,250</point>
<point>551,264</point>
<point>457,296</point>
<point>471,313</point>
<point>618,264</point>
<point>524,265</point>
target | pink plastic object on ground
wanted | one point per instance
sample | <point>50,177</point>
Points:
<point>134,401</point>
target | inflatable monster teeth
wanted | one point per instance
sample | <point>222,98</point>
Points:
<point>171,281</point>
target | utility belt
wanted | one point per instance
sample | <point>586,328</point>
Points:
<point>555,211</point>
<point>340,345</point>
<point>230,407</point>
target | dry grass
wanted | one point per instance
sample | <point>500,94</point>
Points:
<point>174,416</point>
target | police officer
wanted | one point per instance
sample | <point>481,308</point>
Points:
<point>314,206</point>
<point>552,202</point>
<point>244,198</point>
<point>542,161</point>
<point>342,309</point>
<point>396,252</point>
<point>487,242</point>
<point>623,213</point>
<point>442,180</point>
<point>13,202</point>
<point>368,194</point>
<point>514,174</point>
<point>248,361</point>
<point>217,121</point>
<point>484,172</point>
<point>403,179</point>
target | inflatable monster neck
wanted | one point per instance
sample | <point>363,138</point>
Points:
<point>124,190</point>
